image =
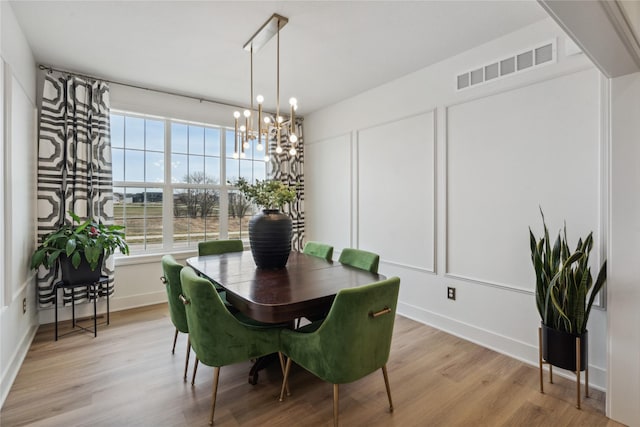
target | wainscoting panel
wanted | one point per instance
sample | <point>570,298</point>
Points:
<point>509,155</point>
<point>393,221</point>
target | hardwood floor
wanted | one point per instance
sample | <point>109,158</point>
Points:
<point>127,376</point>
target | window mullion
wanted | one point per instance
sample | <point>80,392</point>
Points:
<point>167,190</point>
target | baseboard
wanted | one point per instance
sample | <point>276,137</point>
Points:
<point>519,350</point>
<point>13,367</point>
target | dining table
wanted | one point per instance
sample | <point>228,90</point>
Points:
<point>306,287</point>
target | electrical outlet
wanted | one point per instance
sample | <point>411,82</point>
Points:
<point>24,305</point>
<point>451,293</point>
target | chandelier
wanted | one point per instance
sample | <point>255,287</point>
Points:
<point>266,125</point>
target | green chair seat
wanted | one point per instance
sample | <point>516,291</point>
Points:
<point>217,337</point>
<point>352,342</point>
<point>217,247</point>
<point>171,278</point>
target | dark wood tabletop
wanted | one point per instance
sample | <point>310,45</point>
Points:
<point>306,287</point>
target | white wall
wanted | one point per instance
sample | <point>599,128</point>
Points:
<point>476,174</point>
<point>18,199</point>
<point>623,288</point>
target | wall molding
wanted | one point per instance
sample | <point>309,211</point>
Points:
<point>15,363</point>
<point>491,284</point>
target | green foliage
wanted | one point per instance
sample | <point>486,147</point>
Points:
<point>268,194</point>
<point>564,280</point>
<point>88,239</point>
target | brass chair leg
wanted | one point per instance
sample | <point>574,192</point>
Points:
<point>175,339</point>
<point>282,367</point>
<point>285,379</point>
<point>186,362</point>
<point>335,405</point>
<point>216,375</point>
<point>195,369</point>
<point>386,383</point>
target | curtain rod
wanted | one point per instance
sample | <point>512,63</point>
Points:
<point>50,69</point>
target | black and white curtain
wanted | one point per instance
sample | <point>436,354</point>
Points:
<point>290,170</point>
<point>74,166</point>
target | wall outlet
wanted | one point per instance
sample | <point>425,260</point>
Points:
<point>24,305</point>
<point>451,293</point>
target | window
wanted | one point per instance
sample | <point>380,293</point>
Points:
<point>170,182</point>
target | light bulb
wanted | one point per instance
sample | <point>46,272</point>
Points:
<point>280,119</point>
<point>266,157</point>
<point>260,99</point>
<point>267,120</point>
<point>243,155</point>
<point>278,149</point>
<point>293,138</point>
<point>292,151</point>
<point>235,155</point>
<point>259,147</point>
<point>293,101</point>
<point>236,114</point>
<point>245,145</point>
<point>243,128</point>
<point>247,113</point>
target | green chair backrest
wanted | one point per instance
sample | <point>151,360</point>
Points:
<point>351,342</point>
<point>360,259</point>
<point>171,270</point>
<point>319,250</point>
<point>217,247</point>
<point>217,337</point>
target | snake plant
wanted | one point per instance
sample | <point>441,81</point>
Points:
<point>565,290</point>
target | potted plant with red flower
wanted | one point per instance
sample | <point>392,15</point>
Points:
<point>80,247</point>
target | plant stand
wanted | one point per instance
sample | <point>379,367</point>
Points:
<point>541,362</point>
<point>89,285</point>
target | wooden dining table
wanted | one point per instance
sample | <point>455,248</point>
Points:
<point>306,287</point>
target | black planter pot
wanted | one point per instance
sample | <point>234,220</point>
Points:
<point>83,274</point>
<point>559,348</point>
<point>270,236</point>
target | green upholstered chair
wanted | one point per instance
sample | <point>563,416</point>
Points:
<point>360,259</point>
<point>352,342</point>
<point>319,250</point>
<point>217,247</point>
<point>217,337</point>
<point>171,278</point>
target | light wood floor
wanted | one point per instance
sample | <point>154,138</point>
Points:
<point>128,377</point>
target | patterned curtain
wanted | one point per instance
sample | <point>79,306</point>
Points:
<point>74,166</point>
<point>290,170</point>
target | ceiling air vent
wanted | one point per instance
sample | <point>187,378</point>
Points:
<point>514,64</point>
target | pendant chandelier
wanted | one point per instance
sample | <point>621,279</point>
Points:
<point>266,125</point>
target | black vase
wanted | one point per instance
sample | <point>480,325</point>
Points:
<point>82,274</point>
<point>270,238</point>
<point>559,348</point>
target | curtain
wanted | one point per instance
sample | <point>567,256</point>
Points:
<point>74,167</point>
<point>290,170</point>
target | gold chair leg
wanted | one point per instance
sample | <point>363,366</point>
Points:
<point>335,405</point>
<point>285,379</point>
<point>282,367</point>
<point>216,375</point>
<point>386,383</point>
<point>540,359</point>
<point>175,339</point>
<point>195,369</point>
<point>186,363</point>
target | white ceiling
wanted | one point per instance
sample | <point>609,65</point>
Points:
<point>330,50</point>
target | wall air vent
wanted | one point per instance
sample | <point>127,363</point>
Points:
<point>514,64</point>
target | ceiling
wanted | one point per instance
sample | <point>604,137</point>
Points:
<point>330,50</point>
